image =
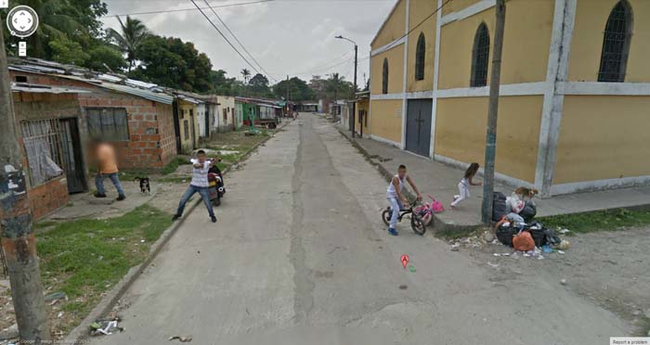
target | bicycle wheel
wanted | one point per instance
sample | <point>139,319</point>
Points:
<point>417,224</point>
<point>386,215</point>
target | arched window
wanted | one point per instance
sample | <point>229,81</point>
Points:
<point>480,56</point>
<point>616,44</point>
<point>420,54</point>
<point>384,77</point>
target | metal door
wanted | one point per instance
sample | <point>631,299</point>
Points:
<point>418,126</point>
<point>72,156</point>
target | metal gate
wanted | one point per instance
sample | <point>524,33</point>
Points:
<point>418,126</point>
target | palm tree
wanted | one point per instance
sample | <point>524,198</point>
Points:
<point>335,83</point>
<point>246,73</point>
<point>128,41</point>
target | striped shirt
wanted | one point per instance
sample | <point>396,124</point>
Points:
<point>200,175</point>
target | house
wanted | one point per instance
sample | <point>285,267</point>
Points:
<point>227,118</point>
<point>574,88</point>
<point>186,122</point>
<point>361,112</point>
<point>136,117</point>
<point>308,107</point>
<point>259,111</point>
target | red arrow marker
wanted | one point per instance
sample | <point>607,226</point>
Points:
<point>405,260</point>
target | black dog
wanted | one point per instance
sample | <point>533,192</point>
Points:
<point>145,186</point>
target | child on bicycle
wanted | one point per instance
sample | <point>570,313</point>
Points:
<point>395,197</point>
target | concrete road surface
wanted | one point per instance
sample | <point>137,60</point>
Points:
<point>300,256</point>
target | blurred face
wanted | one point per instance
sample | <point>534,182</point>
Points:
<point>401,173</point>
<point>201,157</point>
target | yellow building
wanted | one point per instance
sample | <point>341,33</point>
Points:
<point>188,126</point>
<point>575,93</point>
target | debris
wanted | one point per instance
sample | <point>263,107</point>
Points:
<point>560,251</point>
<point>141,241</point>
<point>547,249</point>
<point>563,231</point>
<point>493,265</point>
<point>104,327</point>
<point>60,314</point>
<point>564,245</point>
<point>403,287</point>
<point>563,281</point>
<point>496,254</point>
<point>56,296</point>
<point>488,236</point>
<point>10,332</point>
<point>455,247</point>
<point>182,339</point>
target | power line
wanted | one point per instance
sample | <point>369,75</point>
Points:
<point>224,37</point>
<point>187,9</point>
<point>332,66</point>
<point>238,41</point>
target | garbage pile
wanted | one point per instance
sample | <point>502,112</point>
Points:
<point>516,228</point>
<point>105,327</point>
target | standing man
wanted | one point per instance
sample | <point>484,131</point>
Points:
<point>107,167</point>
<point>199,184</point>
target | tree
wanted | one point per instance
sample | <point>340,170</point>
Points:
<point>170,62</point>
<point>297,88</point>
<point>132,34</point>
<point>246,74</point>
<point>337,87</point>
<point>259,85</point>
<point>105,58</point>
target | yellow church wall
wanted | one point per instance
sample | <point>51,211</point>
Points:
<point>419,10</point>
<point>461,127</point>
<point>527,38</point>
<point>454,5</point>
<point>386,119</point>
<point>603,137</point>
<point>587,41</point>
<point>395,58</point>
<point>394,27</point>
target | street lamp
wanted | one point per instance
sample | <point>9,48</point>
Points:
<point>354,105</point>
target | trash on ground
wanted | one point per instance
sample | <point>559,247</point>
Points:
<point>104,327</point>
<point>563,231</point>
<point>182,339</point>
<point>563,281</point>
<point>56,296</point>
<point>403,287</point>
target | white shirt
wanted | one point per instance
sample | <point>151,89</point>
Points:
<point>200,175</point>
<point>390,192</point>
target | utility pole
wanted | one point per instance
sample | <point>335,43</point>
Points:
<point>493,112</point>
<point>286,100</point>
<point>354,92</point>
<point>18,240</point>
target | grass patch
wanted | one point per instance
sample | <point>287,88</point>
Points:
<point>174,164</point>
<point>599,220</point>
<point>454,234</point>
<point>86,257</point>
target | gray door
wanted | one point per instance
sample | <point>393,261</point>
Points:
<point>418,126</point>
<point>72,155</point>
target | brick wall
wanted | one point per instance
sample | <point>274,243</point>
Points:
<point>167,134</point>
<point>49,197</point>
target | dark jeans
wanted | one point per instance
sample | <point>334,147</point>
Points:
<point>191,190</point>
<point>99,183</point>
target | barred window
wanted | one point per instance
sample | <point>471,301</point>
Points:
<point>43,145</point>
<point>108,124</point>
<point>420,55</point>
<point>384,77</point>
<point>616,44</point>
<point>480,56</point>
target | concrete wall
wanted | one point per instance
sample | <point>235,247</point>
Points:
<point>386,120</point>
<point>587,44</point>
<point>394,26</point>
<point>187,117</point>
<point>418,12</point>
<point>526,44</point>
<point>603,137</point>
<point>395,58</point>
<point>461,126</point>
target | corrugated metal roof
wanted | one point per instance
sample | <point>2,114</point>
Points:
<point>150,95</point>
<point>32,88</point>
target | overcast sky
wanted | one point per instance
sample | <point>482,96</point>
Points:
<point>287,37</point>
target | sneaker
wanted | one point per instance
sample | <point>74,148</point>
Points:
<point>176,217</point>
<point>100,195</point>
<point>392,231</point>
<point>456,197</point>
<point>120,198</point>
<point>214,219</point>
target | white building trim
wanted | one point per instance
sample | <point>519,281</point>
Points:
<point>468,11</point>
<point>389,46</point>
<point>511,181</point>
<point>436,69</point>
<point>589,186</point>
<point>386,96</point>
<point>385,141</point>
<point>523,89</point>
<point>419,94</point>
<point>557,71</point>
<point>405,74</point>
<point>606,89</point>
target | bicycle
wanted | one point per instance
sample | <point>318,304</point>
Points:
<point>417,223</point>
